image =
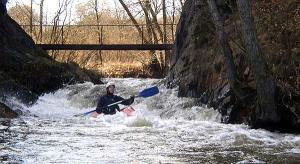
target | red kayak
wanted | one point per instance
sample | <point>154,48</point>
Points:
<point>129,111</point>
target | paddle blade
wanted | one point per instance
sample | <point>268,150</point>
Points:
<point>149,92</point>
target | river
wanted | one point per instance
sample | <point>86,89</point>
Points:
<point>164,129</point>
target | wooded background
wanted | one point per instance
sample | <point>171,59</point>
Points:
<point>91,22</point>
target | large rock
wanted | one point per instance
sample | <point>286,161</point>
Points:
<point>6,112</point>
<point>30,66</point>
<point>27,71</point>
<point>197,67</point>
<point>9,89</point>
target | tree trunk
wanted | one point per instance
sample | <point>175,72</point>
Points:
<point>99,31</point>
<point>165,40</point>
<point>266,113</point>
<point>173,20</point>
<point>155,21</point>
<point>41,21</point>
<point>164,21</point>
<point>154,63</point>
<point>227,52</point>
<point>148,24</point>
<point>31,31</point>
<point>181,3</point>
<point>133,20</point>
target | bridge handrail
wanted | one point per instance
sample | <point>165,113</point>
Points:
<point>40,39</point>
<point>93,25</point>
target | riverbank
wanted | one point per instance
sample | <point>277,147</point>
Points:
<point>26,71</point>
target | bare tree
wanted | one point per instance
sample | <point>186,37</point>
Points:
<point>266,111</point>
<point>173,19</point>
<point>57,34</point>
<point>165,39</point>
<point>31,17</point>
<point>149,26</point>
<point>41,21</point>
<point>164,21</point>
<point>224,43</point>
<point>155,65</point>
<point>154,20</point>
<point>99,31</point>
<point>153,24</point>
<point>181,2</point>
<point>133,20</point>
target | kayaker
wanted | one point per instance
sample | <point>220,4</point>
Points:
<point>110,98</point>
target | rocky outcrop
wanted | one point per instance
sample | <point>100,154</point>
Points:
<point>196,63</point>
<point>197,67</point>
<point>26,71</point>
<point>6,112</point>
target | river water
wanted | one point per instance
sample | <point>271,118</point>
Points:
<point>164,129</point>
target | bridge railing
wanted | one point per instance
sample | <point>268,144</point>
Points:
<point>98,34</point>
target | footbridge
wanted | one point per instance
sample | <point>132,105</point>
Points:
<point>102,37</point>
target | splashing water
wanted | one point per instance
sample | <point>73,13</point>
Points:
<point>164,129</point>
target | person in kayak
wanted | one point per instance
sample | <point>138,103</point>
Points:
<point>110,98</point>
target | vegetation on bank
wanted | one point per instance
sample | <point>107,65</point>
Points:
<point>91,22</point>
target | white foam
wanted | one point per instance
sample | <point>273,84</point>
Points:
<point>251,161</point>
<point>294,150</point>
<point>3,127</point>
<point>163,127</point>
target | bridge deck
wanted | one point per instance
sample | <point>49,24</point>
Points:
<point>106,46</point>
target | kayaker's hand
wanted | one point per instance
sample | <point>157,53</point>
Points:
<point>131,99</point>
<point>95,114</point>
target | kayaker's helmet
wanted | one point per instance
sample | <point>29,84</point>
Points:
<point>110,84</point>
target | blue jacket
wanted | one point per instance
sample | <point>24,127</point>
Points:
<point>109,99</point>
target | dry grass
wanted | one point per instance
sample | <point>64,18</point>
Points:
<point>114,63</point>
<point>123,69</point>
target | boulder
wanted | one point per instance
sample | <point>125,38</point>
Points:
<point>26,71</point>
<point>197,68</point>
<point>6,112</point>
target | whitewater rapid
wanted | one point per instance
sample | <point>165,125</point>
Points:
<point>164,129</point>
